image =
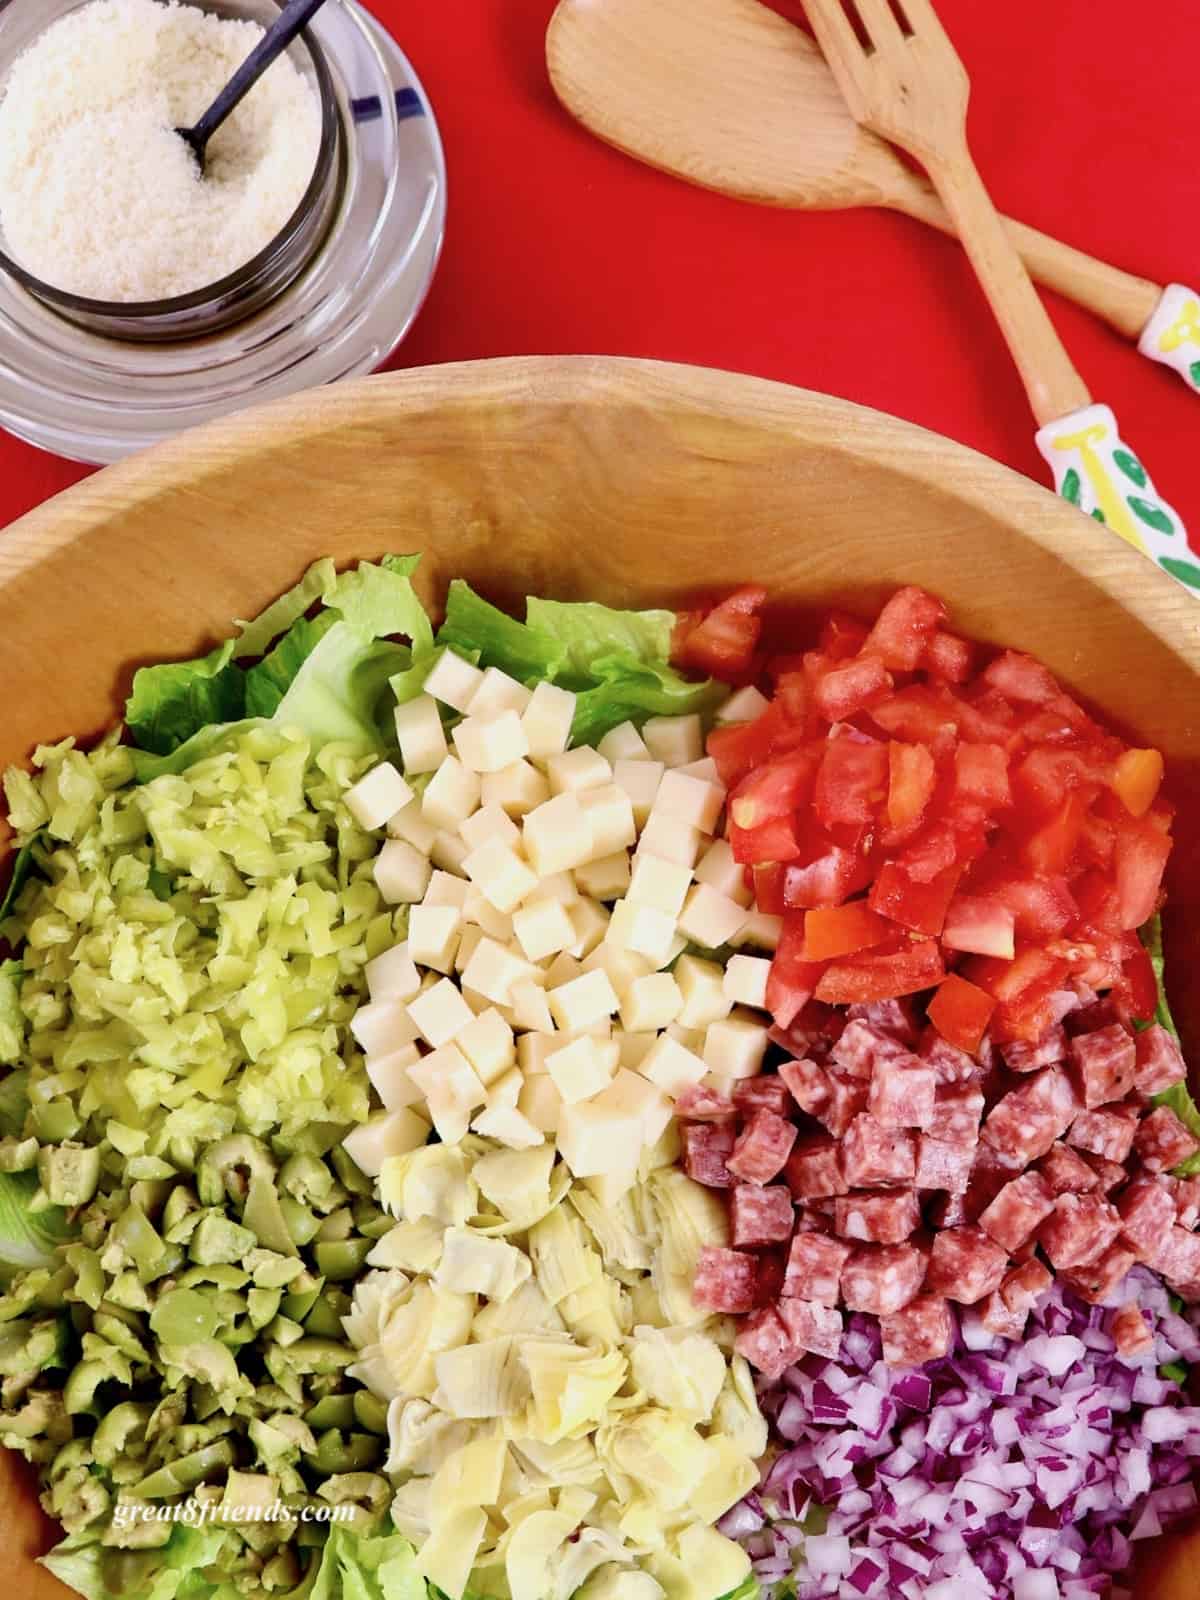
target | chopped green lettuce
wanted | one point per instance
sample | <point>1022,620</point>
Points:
<point>28,1238</point>
<point>629,690</point>
<point>24,866</point>
<point>269,681</point>
<point>12,1023</point>
<point>358,1567</point>
<point>254,638</point>
<point>523,651</point>
<point>175,1572</point>
<point>1178,1098</point>
<point>587,631</point>
<point>170,702</point>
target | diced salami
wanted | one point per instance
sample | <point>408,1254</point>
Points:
<point>1163,1142</point>
<point>1026,1122</point>
<point>726,1280</point>
<point>765,1093</point>
<point>863,1046</point>
<point>814,1268</point>
<point>766,1343</point>
<point>921,1331</point>
<point>1093,1015</point>
<point>1186,1195</point>
<point>1131,1332</point>
<point>814,1170</point>
<point>901,1096</point>
<point>772,1269</point>
<point>1178,1258</point>
<point>882,1279</point>
<point>1065,1172</point>
<point>877,1218</point>
<point>762,1147</point>
<point>1079,1230</point>
<point>895,1017</point>
<point>1160,1063</point>
<point>699,1103</point>
<point>875,1157</point>
<point>807,1083</point>
<point>814,1027</point>
<point>707,1146</point>
<point>951,1064</point>
<point>957,1110</point>
<point>965,1265</point>
<point>1017,1211</point>
<point>813,1326</point>
<point>1106,1132</point>
<point>942,1165</point>
<point>1105,1064</point>
<point>1109,1174</point>
<point>847,1098</point>
<point>1001,1319</point>
<point>1099,1280</point>
<point>1051,1048</point>
<point>810,1220</point>
<point>760,1216</point>
<point>949,1211</point>
<point>1147,1216</point>
<point>1025,1285</point>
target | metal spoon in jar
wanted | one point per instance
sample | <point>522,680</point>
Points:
<point>293,17</point>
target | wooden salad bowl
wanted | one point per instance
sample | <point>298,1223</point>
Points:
<point>623,481</point>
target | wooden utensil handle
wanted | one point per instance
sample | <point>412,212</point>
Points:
<point>1125,301</point>
<point>1054,387</point>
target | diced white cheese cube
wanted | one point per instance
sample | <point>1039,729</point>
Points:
<point>493,970</point>
<point>690,1038</point>
<point>702,984</point>
<point>735,1047</point>
<point>761,930</point>
<point>451,1118</point>
<point>575,770</point>
<point>393,975</point>
<point>450,796</point>
<point>421,735</point>
<point>440,1013</point>
<point>541,1102</point>
<point>676,948</point>
<point>705,769</point>
<point>489,822</point>
<point>433,936</point>
<point>411,823</point>
<point>447,1070</point>
<point>623,743</point>
<point>658,883</point>
<point>743,706</point>
<point>401,873</point>
<point>449,852</point>
<point>606,878</point>
<point>557,835</point>
<point>622,965</point>
<point>543,928</point>
<point>382,1026</point>
<point>595,1138</point>
<point>453,681</point>
<point>634,1048</point>
<point>548,718</point>
<point>558,886</point>
<point>609,812</point>
<point>589,924</point>
<point>447,890</point>
<point>561,970</point>
<point>671,839</point>
<point>500,875</point>
<point>640,780</point>
<point>671,1066</point>
<point>529,1006</point>
<point>499,692</point>
<point>642,929</point>
<point>631,1094</point>
<point>506,1089</point>
<point>488,1044</point>
<point>491,744</point>
<point>583,1001</point>
<point>517,789</point>
<point>390,1133</point>
<point>468,943</point>
<point>533,1050</point>
<point>389,1076</point>
<point>674,740</point>
<point>746,980</point>
<point>582,1068</point>
<point>480,911</point>
<point>651,1003</point>
<point>508,1127</point>
<point>721,872</point>
<point>377,796</point>
<point>689,800</point>
<point>479,1003</point>
<point>710,919</point>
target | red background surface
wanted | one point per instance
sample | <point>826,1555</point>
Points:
<point>1085,122</point>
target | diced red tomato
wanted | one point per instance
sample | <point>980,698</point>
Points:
<point>740,748</point>
<point>1138,983</point>
<point>791,980</point>
<point>852,780</point>
<point>1044,776</point>
<point>1022,988</point>
<point>828,880</point>
<point>1137,779</point>
<point>904,628</point>
<point>912,777</point>
<point>981,775</point>
<point>843,930</point>
<point>845,691</point>
<point>920,907</point>
<point>778,839</point>
<point>868,977</point>
<point>775,789</point>
<point>1021,678</point>
<point>1051,849</point>
<point>723,644</point>
<point>918,714</point>
<point>1097,839</point>
<point>1139,860</point>
<point>943,844</point>
<point>948,657</point>
<point>961,1012</point>
<point>1044,907</point>
<point>768,888</point>
<point>843,635</point>
<point>979,926</point>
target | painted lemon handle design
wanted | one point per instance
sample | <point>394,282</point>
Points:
<point>1097,471</point>
<point>1172,335</point>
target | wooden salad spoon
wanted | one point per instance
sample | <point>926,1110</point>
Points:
<point>728,95</point>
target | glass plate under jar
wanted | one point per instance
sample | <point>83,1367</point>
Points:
<point>331,297</point>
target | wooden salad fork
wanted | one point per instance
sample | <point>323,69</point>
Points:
<point>903,79</point>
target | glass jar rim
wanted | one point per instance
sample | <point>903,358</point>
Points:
<point>133,311</point>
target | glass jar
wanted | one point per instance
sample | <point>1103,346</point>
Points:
<point>330,296</point>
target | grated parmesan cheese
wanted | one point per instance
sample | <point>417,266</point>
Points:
<point>100,197</point>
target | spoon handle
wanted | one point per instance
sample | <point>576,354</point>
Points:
<point>291,20</point>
